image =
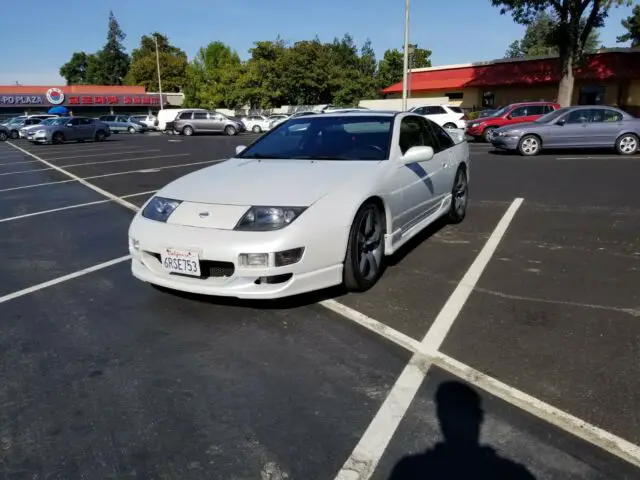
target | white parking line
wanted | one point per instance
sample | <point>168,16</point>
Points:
<point>64,278</point>
<point>84,182</point>
<point>70,207</point>
<point>95,163</point>
<point>104,154</point>
<point>365,457</point>
<point>602,157</point>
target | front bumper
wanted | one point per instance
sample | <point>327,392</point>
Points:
<point>219,250</point>
<point>505,143</point>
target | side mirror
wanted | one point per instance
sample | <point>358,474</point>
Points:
<point>508,117</point>
<point>69,124</point>
<point>239,149</point>
<point>417,154</point>
<point>561,122</point>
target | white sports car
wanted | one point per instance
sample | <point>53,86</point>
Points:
<point>316,202</point>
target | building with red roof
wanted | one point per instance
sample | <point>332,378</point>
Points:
<point>610,76</point>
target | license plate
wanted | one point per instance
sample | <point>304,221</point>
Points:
<point>184,262</point>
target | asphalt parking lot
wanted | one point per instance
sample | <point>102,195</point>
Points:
<point>523,322</point>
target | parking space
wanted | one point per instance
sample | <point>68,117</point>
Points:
<point>102,366</point>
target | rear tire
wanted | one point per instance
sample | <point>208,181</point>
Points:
<point>449,125</point>
<point>256,129</point>
<point>100,136</point>
<point>188,131</point>
<point>364,260</point>
<point>627,144</point>
<point>459,197</point>
<point>230,131</point>
<point>131,130</point>
<point>14,134</point>
<point>3,136</point>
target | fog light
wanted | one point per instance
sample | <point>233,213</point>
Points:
<point>134,244</point>
<point>253,259</point>
<point>288,257</point>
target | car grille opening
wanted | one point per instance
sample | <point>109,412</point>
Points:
<point>208,268</point>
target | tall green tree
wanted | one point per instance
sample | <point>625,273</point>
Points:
<point>143,69</point>
<point>79,69</point>
<point>391,67</point>
<point>112,59</point>
<point>539,39</point>
<point>368,71</point>
<point>575,20</point>
<point>632,26</point>
<point>210,77</point>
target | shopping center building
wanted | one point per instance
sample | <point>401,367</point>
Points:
<point>90,100</point>
<point>611,77</point>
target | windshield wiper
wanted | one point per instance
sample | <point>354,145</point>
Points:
<point>320,157</point>
<point>258,156</point>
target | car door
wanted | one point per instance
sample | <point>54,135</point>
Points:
<point>574,131</point>
<point>70,129</point>
<point>216,122</point>
<point>420,183</point>
<point>85,129</point>
<point>605,126</point>
<point>436,114</point>
<point>518,115</point>
<point>449,162</point>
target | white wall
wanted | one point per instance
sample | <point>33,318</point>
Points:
<point>396,103</point>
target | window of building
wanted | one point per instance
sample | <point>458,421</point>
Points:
<point>455,95</point>
<point>591,95</point>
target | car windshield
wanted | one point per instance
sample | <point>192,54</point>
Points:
<point>49,121</point>
<point>501,112</point>
<point>15,120</point>
<point>551,116</point>
<point>326,138</point>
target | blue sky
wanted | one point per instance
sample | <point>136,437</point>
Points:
<point>33,50</point>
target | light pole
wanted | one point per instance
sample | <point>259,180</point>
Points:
<point>405,73</point>
<point>155,37</point>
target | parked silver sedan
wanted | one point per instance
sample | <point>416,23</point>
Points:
<point>573,127</point>
<point>123,123</point>
<point>72,129</point>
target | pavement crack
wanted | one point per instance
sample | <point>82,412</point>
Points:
<point>629,311</point>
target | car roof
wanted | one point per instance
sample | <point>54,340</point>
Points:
<point>363,113</point>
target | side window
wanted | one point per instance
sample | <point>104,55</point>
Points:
<point>111,118</point>
<point>519,112</point>
<point>74,121</point>
<point>123,119</point>
<point>86,121</point>
<point>611,115</point>
<point>199,115</point>
<point>548,108</point>
<point>435,110</point>
<point>442,137</point>
<point>411,134</point>
<point>578,116</point>
<point>536,110</point>
<point>184,116</point>
<point>421,111</point>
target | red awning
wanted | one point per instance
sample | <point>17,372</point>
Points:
<point>604,66</point>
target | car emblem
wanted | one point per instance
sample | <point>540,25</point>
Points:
<point>203,214</point>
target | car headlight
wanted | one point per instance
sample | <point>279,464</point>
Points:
<point>508,133</point>
<point>160,209</point>
<point>261,219</point>
<point>41,132</point>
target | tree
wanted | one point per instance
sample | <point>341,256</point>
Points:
<point>211,76</point>
<point>632,26</point>
<point>143,69</point>
<point>574,22</point>
<point>112,59</point>
<point>76,71</point>
<point>539,39</point>
<point>390,68</point>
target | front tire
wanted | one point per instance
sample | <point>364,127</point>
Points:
<point>3,136</point>
<point>100,136</point>
<point>459,197</point>
<point>627,144</point>
<point>14,134</point>
<point>529,145</point>
<point>488,134</point>
<point>256,129</point>
<point>364,260</point>
<point>449,125</point>
<point>230,131</point>
<point>57,138</point>
<point>131,130</point>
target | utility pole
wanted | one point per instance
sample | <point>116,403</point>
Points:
<point>405,73</point>
<point>155,37</point>
<point>412,64</point>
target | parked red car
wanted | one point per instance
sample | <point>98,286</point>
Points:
<point>509,115</point>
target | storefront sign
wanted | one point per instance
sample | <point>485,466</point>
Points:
<point>55,96</point>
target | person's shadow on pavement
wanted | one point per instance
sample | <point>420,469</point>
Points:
<point>460,456</point>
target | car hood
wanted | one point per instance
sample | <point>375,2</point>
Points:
<point>268,182</point>
<point>520,126</point>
